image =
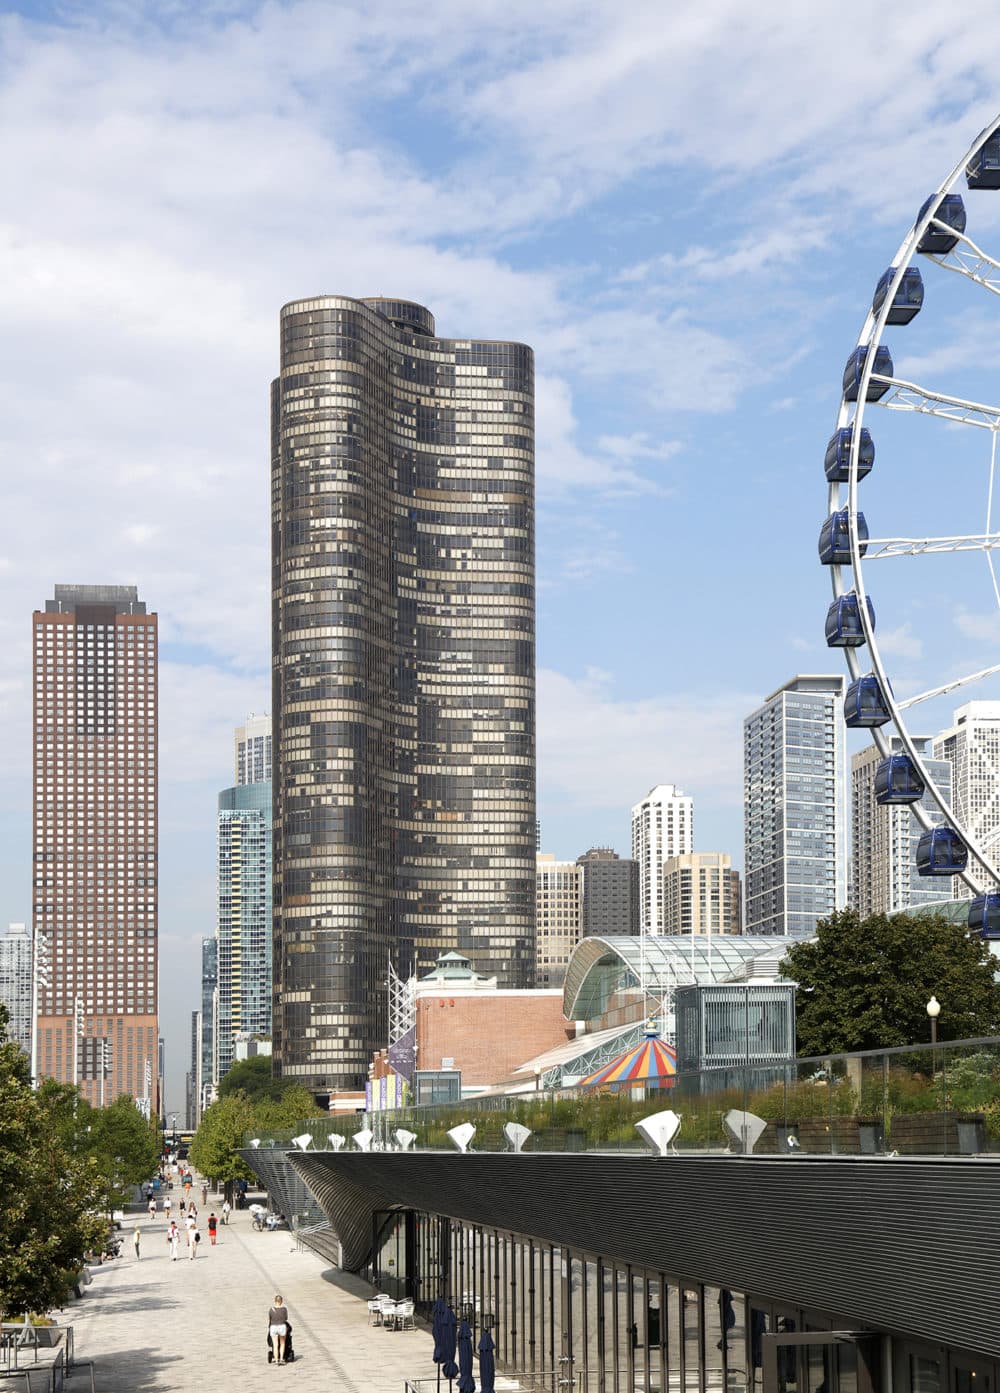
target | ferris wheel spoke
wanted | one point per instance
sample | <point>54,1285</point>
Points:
<point>907,396</point>
<point>966,259</point>
<point>879,548</point>
<point>949,687</point>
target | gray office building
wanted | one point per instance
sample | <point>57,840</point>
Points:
<point>404,669</point>
<point>209,983</point>
<point>884,876</point>
<point>795,807</point>
<point>609,893</point>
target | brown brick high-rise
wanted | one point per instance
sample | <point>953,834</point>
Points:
<point>95,840</point>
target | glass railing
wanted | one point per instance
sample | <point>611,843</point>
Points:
<point>914,1101</point>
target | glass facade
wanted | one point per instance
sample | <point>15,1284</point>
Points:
<point>563,1318</point>
<point>403,649</point>
<point>795,787</point>
<point>243,962</point>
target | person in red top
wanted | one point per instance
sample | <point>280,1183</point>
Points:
<point>213,1224</point>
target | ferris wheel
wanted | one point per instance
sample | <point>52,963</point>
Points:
<point>938,236</point>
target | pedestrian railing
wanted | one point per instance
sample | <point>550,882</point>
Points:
<point>937,1100</point>
<point>307,1231</point>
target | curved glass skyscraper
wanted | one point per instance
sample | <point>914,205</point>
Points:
<point>404,669</point>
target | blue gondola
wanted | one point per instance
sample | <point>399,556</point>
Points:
<point>984,916</point>
<point>941,852</point>
<point>838,455</point>
<point>983,170</point>
<point>951,212</point>
<point>855,366</point>
<point>843,622</point>
<point>908,298</point>
<point>864,705</point>
<point>835,540</point>
<point>897,781</point>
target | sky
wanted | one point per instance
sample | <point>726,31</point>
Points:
<point>683,209</point>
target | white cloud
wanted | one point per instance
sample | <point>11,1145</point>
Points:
<point>596,750</point>
<point>563,465</point>
<point>901,642</point>
<point>983,628</point>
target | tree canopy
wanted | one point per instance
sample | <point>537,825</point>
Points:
<point>51,1196</point>
<point>253,1077</point>
<point>864,983</point>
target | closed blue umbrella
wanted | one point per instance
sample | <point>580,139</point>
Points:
<point>448,1338</point>
<point>466,1383</point>
<point>487,1363</point>
<point>438,1315</point>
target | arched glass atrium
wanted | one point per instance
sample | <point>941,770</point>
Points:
<point>603,972</point>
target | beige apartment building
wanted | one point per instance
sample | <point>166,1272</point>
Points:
<point>701,894</point>
<point>558,886</point>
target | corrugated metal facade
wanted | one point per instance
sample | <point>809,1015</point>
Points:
<point>906,1246</point>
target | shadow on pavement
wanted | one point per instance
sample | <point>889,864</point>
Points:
<point>135,1371</point>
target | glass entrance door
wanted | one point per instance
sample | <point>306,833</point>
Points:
<point>819,1361</point>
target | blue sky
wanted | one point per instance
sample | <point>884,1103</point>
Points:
<point>683,209</point>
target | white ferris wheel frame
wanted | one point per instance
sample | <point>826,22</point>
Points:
<point>966,259</point>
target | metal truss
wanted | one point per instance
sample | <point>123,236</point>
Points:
<point>402,1004</point>
<point>908,396</point>
<point>880,548</point>
<point>966,259</point>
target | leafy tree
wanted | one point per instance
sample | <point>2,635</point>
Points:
<point>49,1194</point>
<point>295,1104</point>
<point>253,1077</point>
<point>864,983</point>
<point>124,1146</point>
<point>222,1130</point>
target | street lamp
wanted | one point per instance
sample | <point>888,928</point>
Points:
<point>933,1010</point>
<point>538,1077</point>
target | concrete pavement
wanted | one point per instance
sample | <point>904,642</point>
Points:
<point>157,1326</point>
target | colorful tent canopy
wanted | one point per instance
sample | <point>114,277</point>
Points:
<point>651,1062</point>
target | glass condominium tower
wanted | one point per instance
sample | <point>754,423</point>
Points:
<point>404,669</point>
<point>795,807</point>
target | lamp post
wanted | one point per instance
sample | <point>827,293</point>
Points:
<point>933,1010</point>
<point>538,1078</point>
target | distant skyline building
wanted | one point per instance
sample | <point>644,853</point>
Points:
<point>884,839</point>
<point>701,894</point>
<point>207,1075</point>
<point>95,841</point>
<point>15,983</point>
<point>795,807</point>
<point>662,826</point>
<point>558,886</point>
<point>252,742</point>
<point>404,669</point>
<point>971,745</point>
<point>609,893</point>
<point>243,958</point>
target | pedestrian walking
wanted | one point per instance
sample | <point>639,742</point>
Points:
<point>193,1209</point>
<point>173,1238</point>
<point>152,1207</point>
<point>204,1194</point>
<point>213,1224</point>
<point>182,1205</point>
<point>166,1207</point>
<point>226,1211</point>
<point>194,1238</point>
<point>137,1239</point>
<point>277,1319</point>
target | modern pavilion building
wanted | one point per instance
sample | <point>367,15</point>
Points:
<point>404,669</point>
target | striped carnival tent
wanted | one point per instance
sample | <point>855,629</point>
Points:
<point>651,1063</point>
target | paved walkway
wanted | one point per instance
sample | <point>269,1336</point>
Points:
<point>157,1326</point>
